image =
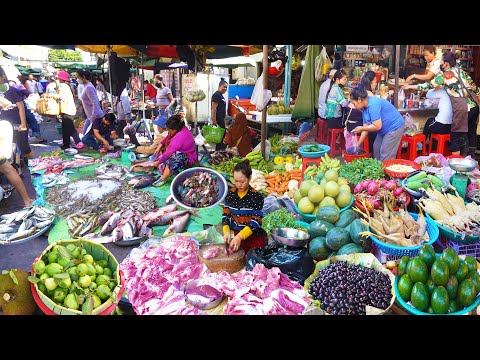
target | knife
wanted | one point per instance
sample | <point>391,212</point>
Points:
<point>227,246</point>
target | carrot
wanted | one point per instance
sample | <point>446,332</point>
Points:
<point>278,178</point>
<point>271,182</point>
<point>269,176</point>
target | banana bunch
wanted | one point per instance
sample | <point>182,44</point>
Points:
<point>256,159</point>
<point>329,163</point>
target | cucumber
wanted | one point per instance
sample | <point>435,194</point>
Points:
<point>435,180</point>
<point>415,185</point>
<point>421,175</point>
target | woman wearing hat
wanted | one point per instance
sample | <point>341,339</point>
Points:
<point>67,111</point>
<point>160,134</point>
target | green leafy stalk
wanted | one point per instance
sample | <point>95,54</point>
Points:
<point>362,169</point>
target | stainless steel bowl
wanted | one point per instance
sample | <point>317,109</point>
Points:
<point>119,142</point>
<point>474,193</point>
<point>195,300</point>
<point>180,178</point>
<point>70,151</point>
<point>462,165</point>
<point>142,156</point>
<point>290,237</point>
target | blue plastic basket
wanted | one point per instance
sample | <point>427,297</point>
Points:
<point>411,309</point>
<point>433,233</point>
<point>313,155</point>
<point>449,234</point>
<point>415,194</point>
<point>310,218</point>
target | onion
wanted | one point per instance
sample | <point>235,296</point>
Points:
<point>397,192</point>
<point>372,188</point>
<point>358,188</point>
<point>365,184</point>
<point>391,185</point>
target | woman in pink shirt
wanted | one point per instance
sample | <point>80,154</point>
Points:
<point>179,150</point>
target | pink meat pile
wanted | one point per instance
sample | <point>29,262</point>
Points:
<point>260,291</point>
<point>154,279</point>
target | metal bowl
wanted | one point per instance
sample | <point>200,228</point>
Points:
<point>180,178</point>
<point>70,151</point>
<point>290,237</point>
<point>196,301</point>
<point>119,142</point>
<point>142,156</point>
<point>462,165</point>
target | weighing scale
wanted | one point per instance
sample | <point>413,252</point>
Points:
<point>460,179</point>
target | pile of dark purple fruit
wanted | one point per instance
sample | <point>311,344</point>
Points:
<point>345,289</point>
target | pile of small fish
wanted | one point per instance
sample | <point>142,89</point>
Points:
<point>52,179</point>
<point>138,200</point>
<point>24,223</point>
<point>110,171</point>
<point>82,222</point>
<point>83,194</point>
<point>199,190</point>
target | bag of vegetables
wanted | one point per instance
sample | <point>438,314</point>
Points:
<point>195,94</point>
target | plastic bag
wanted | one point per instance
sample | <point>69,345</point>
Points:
<point>31,101</point>
<point>297,264</point>
<point>260,96</point>
<point>351,142</point>
<point>213,133</point>
<point>199,139</point>
<point>195,94</point>
<point>322,65</point>
<point>411,128</point>
<point>267,148</point>
<point>401,96</point>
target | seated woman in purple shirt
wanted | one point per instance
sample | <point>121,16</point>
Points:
<point>178,150</point>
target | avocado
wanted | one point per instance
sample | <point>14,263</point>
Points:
<point>405,286</point>
<point>402,265</point>
<point>471,263</point>
<point>439,300</point>
<point>430,285</point>
<point>417,271</point>
<point>427,254</point>
<point>440,272</point>
<point>452,287</point>
<point>454,306</point>
<point>451,257</point>
<point>467,292</point>
<point>475,276</point>
<point>462,271</point>
<point>420,298</point>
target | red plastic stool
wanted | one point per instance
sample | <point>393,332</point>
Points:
<point>306,162</point>
<point>412,141</point>
<point>442,139</point>
<point>332,140</point>
<point>320,131</point>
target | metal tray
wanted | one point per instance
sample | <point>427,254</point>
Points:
<point>28,238</point>
<point>70,151</point>
<point>131,242</point>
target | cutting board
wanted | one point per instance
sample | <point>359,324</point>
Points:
<point>223,262</point>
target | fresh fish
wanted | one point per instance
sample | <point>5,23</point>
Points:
<point>145,231</point>
<point>127,231</point>
<point>166,218</point>
<point>5,229</point>
<point>117,234</point>
<point>21,234</point>
<point>159,212</point>
<point>42,224</point>
<point>104,217</point>
<point>110,224</point>
<point>142,181</point>
<point>178,224</point>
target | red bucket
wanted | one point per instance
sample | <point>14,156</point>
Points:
<point>349,158</point>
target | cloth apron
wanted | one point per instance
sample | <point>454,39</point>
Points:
<point>460,114</point>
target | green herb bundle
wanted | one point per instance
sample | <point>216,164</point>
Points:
<point>362,169</point>
<point>281,218</point>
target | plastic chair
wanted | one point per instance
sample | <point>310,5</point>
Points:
<point>442,139</point>
<point>306,162</point>
<point>413,142</point>
<point>332,139</point>
<point>320,131</point>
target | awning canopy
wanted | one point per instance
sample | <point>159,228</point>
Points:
<point>232,62</point>
<point>157,51</point>
<point>121,50</point>
<point>89,65</point>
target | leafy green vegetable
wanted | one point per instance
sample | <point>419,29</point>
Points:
<point>279,218</point>
<point>362,169</point>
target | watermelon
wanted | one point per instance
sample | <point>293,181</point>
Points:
<point>319,228</point>
<point>328,213</point>
<point>345,218</point>
<point>318,249</point>
<point>355,228</point>
<point>350,248</point>
<point>337,237</point>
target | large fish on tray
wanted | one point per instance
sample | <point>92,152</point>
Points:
<point>142,181</point>
<point>178,224</point>
<point>159,212</point>
<point>168,217</point>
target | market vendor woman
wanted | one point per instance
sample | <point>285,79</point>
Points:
<point>242,212</point>
<point>381,116</point>
<point>178,150</point>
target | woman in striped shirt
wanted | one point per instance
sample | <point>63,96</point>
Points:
<point>242,212</point>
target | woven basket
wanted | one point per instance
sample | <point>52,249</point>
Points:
<point>48,106</point>
<point>232,263</point>
<point>411,251</point>
<point>99,252</point>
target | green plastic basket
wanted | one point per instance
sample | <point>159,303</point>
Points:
<point>213,134</point>
<point>449,234</point>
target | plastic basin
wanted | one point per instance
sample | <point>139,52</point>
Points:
<point>313,155</point>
